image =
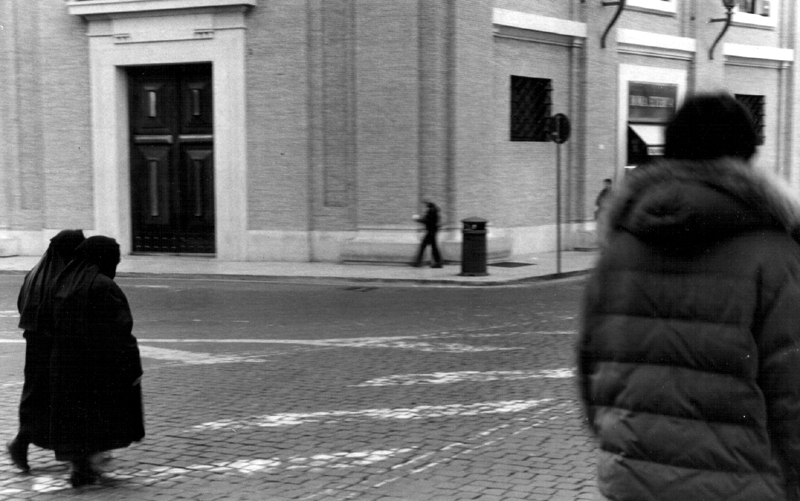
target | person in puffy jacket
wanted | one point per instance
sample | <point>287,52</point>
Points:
<point>689,349</point>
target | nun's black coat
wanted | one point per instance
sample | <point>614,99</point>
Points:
<point>34,408</point>
<point>95,366</point>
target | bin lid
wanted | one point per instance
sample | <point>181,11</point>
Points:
<point>474,220</point>
<point>474,223</point>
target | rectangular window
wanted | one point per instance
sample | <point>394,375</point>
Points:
<point>747,6</point>
<point>759,7</point>
<point>755,104</point>
<point>531,107</point>
<point>653,6</point>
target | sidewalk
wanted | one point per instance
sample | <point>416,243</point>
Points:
<point>521,269</point>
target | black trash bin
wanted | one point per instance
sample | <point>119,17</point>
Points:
<point>473,247</point>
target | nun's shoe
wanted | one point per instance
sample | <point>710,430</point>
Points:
<point>19,455</point>
<point>83,474</point>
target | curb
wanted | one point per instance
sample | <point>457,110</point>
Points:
<point>361,280</point>
<point>327,279</point>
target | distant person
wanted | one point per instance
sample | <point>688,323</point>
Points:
<point>602,198</point>
<point>34,407</point>
<point>95,366</point>
<point>431,223</point>
<point>689,347</point>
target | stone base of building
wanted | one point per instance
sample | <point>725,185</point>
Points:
<point>384,246</point>
<point>9,247</point>
<point>402,247</point>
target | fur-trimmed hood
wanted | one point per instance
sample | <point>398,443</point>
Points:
<point>678,203</point>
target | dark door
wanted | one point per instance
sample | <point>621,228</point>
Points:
<point>172,155</point>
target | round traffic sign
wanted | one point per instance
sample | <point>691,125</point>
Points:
<point>559,128</point>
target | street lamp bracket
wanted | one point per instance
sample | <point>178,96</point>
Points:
<point>620,7</point>
<point>728,19</point>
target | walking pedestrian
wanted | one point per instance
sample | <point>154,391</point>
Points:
<point>689,349</point>
<point>95,366</point>
<point>431,223</point>
<point>34,407</point>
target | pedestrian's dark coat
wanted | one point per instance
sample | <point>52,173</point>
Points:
<point>95,365</point>
<point>431,219</point>
<point>689,351</point>
<point>34,408</point>
<point>431,222</point>
<point>601,200</point>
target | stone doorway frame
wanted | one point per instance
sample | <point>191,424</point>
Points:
<point>158,32</point>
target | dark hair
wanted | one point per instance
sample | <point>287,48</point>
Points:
<point>711,126</point>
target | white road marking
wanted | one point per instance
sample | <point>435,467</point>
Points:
<point>462,449</point>
<point>318,463</point>
<point>466,376</point>
<point>327,417</point>
<point>194,358</point>
<point>359,342</point>
<point>9,314</point>
<point>247,466</point>
<point>401,342</point>
<point>35,483</point>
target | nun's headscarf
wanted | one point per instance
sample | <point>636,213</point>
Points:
<point>103,252</point>
<point>69,294</point>
<point>58,254</point>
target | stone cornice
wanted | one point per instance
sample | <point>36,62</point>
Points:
<point>121,7</point>
<point>656,45</point>
<point>535,22</point>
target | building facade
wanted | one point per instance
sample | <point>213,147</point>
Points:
<point>288,130</point>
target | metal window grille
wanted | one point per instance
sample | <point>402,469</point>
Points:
<point>754,104</point>
<point>747,6</point>
<point>531,107</point>
<point>761,7</point>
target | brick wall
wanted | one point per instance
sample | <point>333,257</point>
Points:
<point>524,173</point>
<point>387,111</point>
<point>66,121</point>
<point>47,160</point>
<point>277,116</point>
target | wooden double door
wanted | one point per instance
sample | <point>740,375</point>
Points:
<point>172,159</point>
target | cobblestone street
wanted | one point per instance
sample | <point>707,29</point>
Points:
<point>483,410</point>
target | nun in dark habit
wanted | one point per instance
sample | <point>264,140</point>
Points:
<point>95,370</point>
<point>34,407</point>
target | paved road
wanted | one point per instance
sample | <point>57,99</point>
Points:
<point>266,391</point>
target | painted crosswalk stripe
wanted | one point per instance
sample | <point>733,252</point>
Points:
<point>466,376</point>
<point>328,417</point>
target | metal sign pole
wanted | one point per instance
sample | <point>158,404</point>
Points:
<point>559,129</point>
<point>558,208</point>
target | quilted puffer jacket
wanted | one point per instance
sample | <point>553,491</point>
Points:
<point>689,350</point>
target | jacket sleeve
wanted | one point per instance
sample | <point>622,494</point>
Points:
<point>585,358</point>
<point>778,339</point>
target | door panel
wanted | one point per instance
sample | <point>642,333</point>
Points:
<point>196,116</point>
<point>152,175</point>
<point>199,185</point>
<point>155,105</point>
<point>172,152</point>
